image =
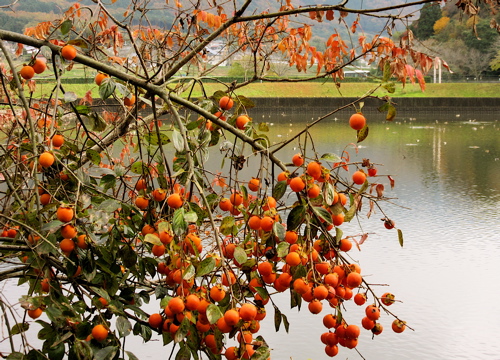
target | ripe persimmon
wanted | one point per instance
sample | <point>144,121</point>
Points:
<point>345,245</point>
<point>291,237</point>
<point>192,302</point>
<point>141,202</point>
<point>159,194</point>
<point>27,72</point>
<point>57,140</point>
<point>387,299</point>
<point>359,299</point>
<point>176,305</point>
<point>254,222</point>
<point>377,329</point>
<point>367,323</point>
<point>359,177</point>
<point>297,184</point>
<point>314,169</point>
<point>231,316</point>
<point>357,121</point>
<point>254,184</point>
<point>35,313</point>
<point>298,160</point>
<point>68,231</point>
<point>68,52</point>
<point>217,293</point>
<point>45,285</point>
<point>67,245</point>
<point>155,320</point>
<point>329,321</point>
<point>338,219</point>
<point>129,100</point>
<point>99,332</point>
<point>265,268</point>
<point>331,350</point>
<point>141,184</point>
<point>241,121</point>
<point>320,292</point>
<point>225,204</point>
<point>158,250</point>
<point>315,306</point>
<point>372,171</point>
<point>46,159</point>
<point>266,223</point>
<point>236,199</point>
<point>65,214</point>
<point>248,312</point>
<point>293,259</point>
<point>45,199</point>
<point>39,65</point>
<point>99,78</point>
<point>313,191</point>
<point>372,312</point>
<point>398,326</point>
<point>226,103</point>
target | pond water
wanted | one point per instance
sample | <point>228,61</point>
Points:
<point>447,274</point>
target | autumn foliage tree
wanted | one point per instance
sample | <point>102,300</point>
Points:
<point>104,209</point>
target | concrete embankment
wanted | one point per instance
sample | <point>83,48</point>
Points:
<point>407,107</point>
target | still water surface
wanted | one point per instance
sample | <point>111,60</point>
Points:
<point>447,275</point>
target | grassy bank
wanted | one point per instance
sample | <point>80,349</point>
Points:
<point>323,90</point>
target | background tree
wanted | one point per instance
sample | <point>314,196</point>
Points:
<point>104,209</point>
<point>423,28</point>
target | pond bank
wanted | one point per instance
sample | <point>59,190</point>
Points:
<point>406,107</point>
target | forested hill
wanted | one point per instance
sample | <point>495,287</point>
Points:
<point>26,13</point>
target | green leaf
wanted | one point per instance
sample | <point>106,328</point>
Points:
<point>362,134</point>
<point>184,353</point>
<point>123,326</point>
<point>107,88</point>
<point>279,230</point>
<point>153,139</point>
<point>152,239</point>
<point>277,319</point>
<point>264,127</point>
<point>83,109</point>
<point>262,292</point>
<point>279,190</point>
<point>389,86</point>
<point>282,249</point>
<point>227,225</point>
<point>323,214</point>
<point>107,182</point>
<point>330,157</point>
<point>262,353</point>
<point>338,234</point>
<point>179,225</point>
<point>19,328</point>
<point>387,72</point>
<point>138,167</point>
<point>400,237</point>
<point>205,267</point>
<point>178,140</point>
<point>391,113</point>
<point>94,156</point>
<point>191,217</point>
<point>52,226</point>
<point>349,215</point>
<point>296,217</point>
<point>189,273</point>
<point>97,122</point>
<point>106,354</point>
<point>131,356</point>
<point>15,356</point>
<point>182,330</point>
<point>66,26</point>
<point>245,102</point>
<point>213,313</point>
<point>240,255</point>
<point>285,322</point>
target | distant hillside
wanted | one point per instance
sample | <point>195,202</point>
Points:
<point>27,13</point>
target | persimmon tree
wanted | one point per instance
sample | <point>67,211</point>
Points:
<point>105,209</point>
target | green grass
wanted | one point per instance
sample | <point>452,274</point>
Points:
<point>315,89</point>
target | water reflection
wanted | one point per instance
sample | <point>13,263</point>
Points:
<point>447,274</point>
